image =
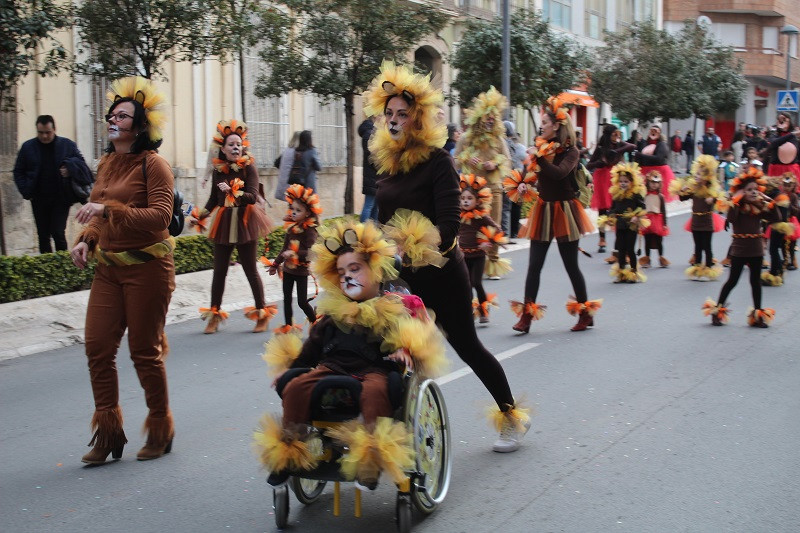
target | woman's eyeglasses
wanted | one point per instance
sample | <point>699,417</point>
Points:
<point>119,117</point>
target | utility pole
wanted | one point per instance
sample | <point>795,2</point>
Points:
<point>505,86</point>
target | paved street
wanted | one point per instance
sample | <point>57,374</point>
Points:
<point>654,421</point>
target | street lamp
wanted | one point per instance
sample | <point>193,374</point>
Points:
<point>789,30</point>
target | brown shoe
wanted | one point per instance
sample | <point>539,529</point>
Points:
<point>726,262</point>
<point>644,261</point>
<point>664,262</point>
<point>612,258</point>
<point>213,324</point>
<point>585,320</point>
<point>524,324</point>
<point>152,450</point>
<point>99,454</point>
<point>691,260</point>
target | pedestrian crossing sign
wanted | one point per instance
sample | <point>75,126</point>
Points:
<point>787,101</point>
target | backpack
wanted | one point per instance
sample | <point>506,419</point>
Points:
<point>178,217</point>
<point>581,184</point>
<point>297,174</point>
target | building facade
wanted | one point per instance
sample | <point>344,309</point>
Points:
<point>753,29</point>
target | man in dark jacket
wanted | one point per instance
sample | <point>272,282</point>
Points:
<point>43,172</point>
<point>368,186</point>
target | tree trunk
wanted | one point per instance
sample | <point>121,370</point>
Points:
<point>535,126</point>
<point>348,117</point>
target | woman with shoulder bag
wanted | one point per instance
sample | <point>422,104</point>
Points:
<point>126,231</point>
<point>306,163</point>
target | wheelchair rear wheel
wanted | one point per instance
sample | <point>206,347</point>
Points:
<point>307,490</point>
<point>431,427</point>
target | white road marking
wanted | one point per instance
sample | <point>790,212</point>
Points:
<point>461,372</point>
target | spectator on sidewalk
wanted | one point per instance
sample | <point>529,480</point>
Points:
<point>42,174</point>
<point>308,159</point>
<point>710,144</point>
<point>688,149</point>
<point>675,149</point>
<point>284,165</point>
<point>518,153</point>
<point>370,175</point>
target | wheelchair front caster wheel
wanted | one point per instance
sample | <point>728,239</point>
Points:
<point>280,503</point>
<point>403,513</point>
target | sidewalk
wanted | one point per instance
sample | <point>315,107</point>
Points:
<point>43,324</point>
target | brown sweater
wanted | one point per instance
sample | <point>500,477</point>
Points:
<point>305,240</point>
<point>557,181</point>
<point>432,189</point>
<point>468,235</point>
<point>138,211</point>
<point>702,213</point>
<point>250,178</point>
<point>747,236</point>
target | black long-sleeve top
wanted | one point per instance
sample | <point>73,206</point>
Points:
<point>623,206</point>
<point>432,189</point>
<point>772,149</point>
<point>659,157</point>
<point>610,156</point>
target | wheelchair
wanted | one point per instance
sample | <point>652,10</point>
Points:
<point>418,402</point>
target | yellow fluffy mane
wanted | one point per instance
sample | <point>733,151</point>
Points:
<point>633,170</point>
<point>145,92</point>
<point>379,251</point>
<point>425,133</point>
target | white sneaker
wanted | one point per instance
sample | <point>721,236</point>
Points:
<point>494,278</point>
<point>510,438</point>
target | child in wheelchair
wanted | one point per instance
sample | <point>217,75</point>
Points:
<point>364,333</point>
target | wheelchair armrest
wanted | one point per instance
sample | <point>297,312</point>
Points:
<point>288,376</point>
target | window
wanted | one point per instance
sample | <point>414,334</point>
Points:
<point>330,132</point>
<point>630,11</point>
<point>558,13</point>
<point>769,40</point>
<point>99,88</point>
<point>267,118</point>
<point>595,19</point>
<point>8,125</point>
<point>729,34</point>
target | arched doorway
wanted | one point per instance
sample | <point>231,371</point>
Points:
<point>429,60</point>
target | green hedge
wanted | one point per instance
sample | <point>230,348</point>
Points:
<point>33,276</point>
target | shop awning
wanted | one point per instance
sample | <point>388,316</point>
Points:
<point>578,98</point>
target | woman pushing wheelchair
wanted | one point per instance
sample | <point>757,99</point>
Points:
<point>364,333</point>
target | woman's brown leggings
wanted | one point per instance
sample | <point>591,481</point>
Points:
<point>247,258</point>
<point>136,298</point>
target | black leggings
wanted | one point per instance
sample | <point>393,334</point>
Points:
<point>626,247</point>
<point>289,280</point>
<point>776,252</point>
<point>653,242</point>
<point>737,264</point>
<point>475,267</point>
<point>247,258</point>
<point>448,294</point>
<point>569,255</point>
<point>702,243</point>
<point>601,229</point>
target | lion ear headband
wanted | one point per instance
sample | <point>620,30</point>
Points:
<point>392,91</point>
<point>336,247</point>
